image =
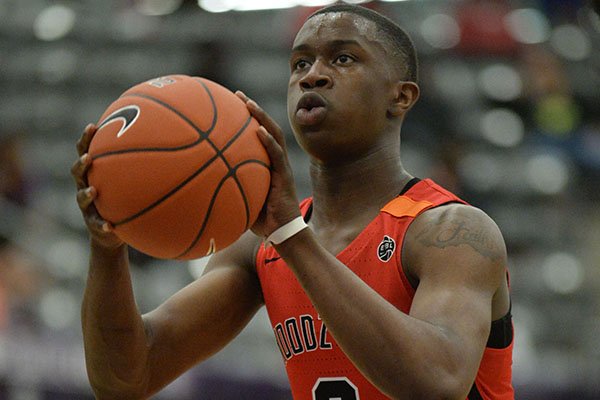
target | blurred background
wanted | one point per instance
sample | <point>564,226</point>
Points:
<point>509,118</point>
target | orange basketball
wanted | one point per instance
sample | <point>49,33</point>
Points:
<point>178,166</point>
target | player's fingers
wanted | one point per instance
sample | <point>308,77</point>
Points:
<point>242,96</point>
<point>265,120</point>
<point>92,218</point>
<point>79,170</point>
<point>85,197</point>
<point>83,144</point>
<point>97,224</point>
<point>275,151</point>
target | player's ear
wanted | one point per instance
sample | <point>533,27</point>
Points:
<point>404,95</point>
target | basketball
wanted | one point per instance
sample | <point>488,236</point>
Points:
<point>179,169</point>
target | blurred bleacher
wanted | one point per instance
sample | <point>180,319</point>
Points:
<point>509,118</point>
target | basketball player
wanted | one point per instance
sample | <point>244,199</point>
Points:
<point>379,286</point>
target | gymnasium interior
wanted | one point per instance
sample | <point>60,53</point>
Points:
<point>509,119</point>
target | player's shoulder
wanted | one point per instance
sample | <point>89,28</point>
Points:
<point>456,212</point>
<point>455,231</point>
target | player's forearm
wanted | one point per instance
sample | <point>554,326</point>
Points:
<point>114,337</point>
<point>403,356</point>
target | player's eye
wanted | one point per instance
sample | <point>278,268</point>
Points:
<point>344,59</point>
<point>301,64</point>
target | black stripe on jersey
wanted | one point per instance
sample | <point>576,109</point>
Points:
<point>474,394</point>
<point>405,189</point>
<point>410,184</point>
<point>308,212</point>
<point>501,334</point>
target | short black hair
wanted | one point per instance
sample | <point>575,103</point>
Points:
<point>395,38</point>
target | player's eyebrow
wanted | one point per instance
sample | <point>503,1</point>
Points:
<point>333,43</point>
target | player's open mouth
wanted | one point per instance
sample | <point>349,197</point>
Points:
<point>311,109</point>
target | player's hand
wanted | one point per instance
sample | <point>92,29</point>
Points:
<point>100,230</point>
<point>281,205</point>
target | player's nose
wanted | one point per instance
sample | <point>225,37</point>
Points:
<point>316,77</point>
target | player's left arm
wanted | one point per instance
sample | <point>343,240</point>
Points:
<point>458,256</point>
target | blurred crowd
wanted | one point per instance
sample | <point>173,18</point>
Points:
<point>509,119</point>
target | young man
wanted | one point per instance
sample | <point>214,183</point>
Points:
<point>396,289</point>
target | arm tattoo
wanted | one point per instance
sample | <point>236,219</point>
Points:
<point>458,232</point>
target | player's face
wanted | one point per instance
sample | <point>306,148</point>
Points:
<point>340,86</point>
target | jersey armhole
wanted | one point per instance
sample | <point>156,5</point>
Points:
<point>411,287</point>
<point>501,332</point>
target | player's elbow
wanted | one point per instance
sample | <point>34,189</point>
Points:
<point>112,387</point>
<point>451,387</point>
<point>110,392</point>
<point>434,383</point>
<point>450,380</point>
<point>448,388</point>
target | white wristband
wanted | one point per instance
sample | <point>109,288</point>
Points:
<point>286,231</point>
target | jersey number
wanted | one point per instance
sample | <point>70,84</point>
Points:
<point>335,389</point>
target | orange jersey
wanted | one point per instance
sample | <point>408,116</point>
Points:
<point>316,366</point>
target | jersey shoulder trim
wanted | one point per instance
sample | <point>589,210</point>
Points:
<point>404,206</point>
<point>423,195</point>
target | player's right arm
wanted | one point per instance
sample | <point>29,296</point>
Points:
<point>130,356</point>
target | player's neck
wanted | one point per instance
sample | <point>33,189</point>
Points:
<point>355,191</point>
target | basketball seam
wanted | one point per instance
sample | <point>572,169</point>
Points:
<point>191,177</point>
<point>219,153</point>
<point>167,195</point>
<point>202,134</point>
<point>212,201</point>
<point>205,135</point>
<point>243,194</point>
<point>237,181</point>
